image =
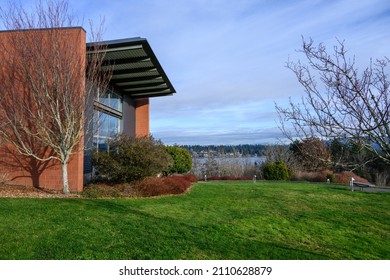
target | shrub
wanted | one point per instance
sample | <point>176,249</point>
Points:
<point>178,184</point>
<point>344,177</point>
<point>150,186</point>
<point>182,161</point>
<point>330,177</point>
<point>276,171</point>
<point>130,159</point>
<point>315,176</point>
<point>321,176</point>
<point>153,186</point>
<point>190,177</point>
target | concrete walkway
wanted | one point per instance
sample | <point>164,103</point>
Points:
<point>372,189</point>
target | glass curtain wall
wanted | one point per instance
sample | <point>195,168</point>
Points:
<point>111,99</point>
<point>108,118</point>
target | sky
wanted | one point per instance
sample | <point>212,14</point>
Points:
<point>226,58</point>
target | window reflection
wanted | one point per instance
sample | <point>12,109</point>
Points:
<point>105,98</point>
<point>115,101</point>
<point>111,99</point>
<point>114,126</point>
<point>109,127</point>
<point>100,143</point>
<point>108,122</point>
<point>103,124</point>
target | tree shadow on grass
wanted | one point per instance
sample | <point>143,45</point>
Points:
<point>119,231</point>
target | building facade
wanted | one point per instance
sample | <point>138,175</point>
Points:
<point>136,77</point>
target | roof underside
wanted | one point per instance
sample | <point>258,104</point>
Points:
<point>135,68</point>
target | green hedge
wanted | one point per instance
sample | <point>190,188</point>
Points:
<point>182,161</point>
<point>276,171</point>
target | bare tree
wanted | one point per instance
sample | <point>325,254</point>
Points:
<point>340,102</point>
<point>46,83</point>
<point>274,153</point>
<point>312,153</point>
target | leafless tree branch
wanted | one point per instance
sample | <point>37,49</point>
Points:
<point>47,82</point>
<point>340,102</point>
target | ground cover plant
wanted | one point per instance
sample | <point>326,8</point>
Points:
<point>214,220</point>
<point>150,186</point>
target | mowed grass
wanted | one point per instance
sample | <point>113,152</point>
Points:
<point>214,220</point>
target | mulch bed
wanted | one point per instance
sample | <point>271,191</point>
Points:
<point>31,192</point>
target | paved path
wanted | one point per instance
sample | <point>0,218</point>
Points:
<point>372,189</point>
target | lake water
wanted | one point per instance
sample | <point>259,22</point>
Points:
<point>241,160</point>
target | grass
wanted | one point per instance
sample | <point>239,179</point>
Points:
<point>215,220</point>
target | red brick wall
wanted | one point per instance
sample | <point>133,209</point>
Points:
<point>142,117</point>
<point>26,171</point>
<point>23,170</point>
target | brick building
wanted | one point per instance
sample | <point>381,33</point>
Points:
<point>124,108</point>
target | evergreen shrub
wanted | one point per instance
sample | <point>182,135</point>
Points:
<point>276,171</point>
<point>130,159</point>
<point>182,160</point>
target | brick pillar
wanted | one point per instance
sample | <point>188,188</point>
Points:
<point>142,117</point>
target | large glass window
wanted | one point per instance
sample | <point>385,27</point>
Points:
<point>114,126</point>
<point>108,122</point>
<point>105,99</point>
<point>115,101</point>
<point>109,127</point>
<point>111,99</point>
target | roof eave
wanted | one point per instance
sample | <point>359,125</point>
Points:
<point>131,64</point>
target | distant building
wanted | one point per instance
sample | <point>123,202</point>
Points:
<point>137,76</point>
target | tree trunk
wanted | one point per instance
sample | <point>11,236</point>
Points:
<point>65,183</point>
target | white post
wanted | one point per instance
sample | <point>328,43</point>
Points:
<point>351,183</point>
<point>254,178</point>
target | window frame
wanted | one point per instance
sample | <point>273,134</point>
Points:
<point>102,107</point>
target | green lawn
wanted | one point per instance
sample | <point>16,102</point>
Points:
<point>215,220</point>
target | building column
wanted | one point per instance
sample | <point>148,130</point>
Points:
<point>142,117</point>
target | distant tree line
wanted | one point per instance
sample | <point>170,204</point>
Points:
<point>234,150</point>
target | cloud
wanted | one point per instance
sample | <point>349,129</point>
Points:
<point>226,59</point>
<point>171,137</point>
<point>239,60</point>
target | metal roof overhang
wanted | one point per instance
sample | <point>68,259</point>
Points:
<point>135,68</point>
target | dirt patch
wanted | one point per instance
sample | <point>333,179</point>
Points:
<point>31,192</point>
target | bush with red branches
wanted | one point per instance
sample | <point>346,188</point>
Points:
<point>321,176</point>
<point>153,186</point>
<point>150,186</point>
<point>345,177</point>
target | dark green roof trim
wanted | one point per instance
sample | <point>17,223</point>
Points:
<point>133,60</point>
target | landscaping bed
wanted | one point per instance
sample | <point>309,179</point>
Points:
<point>151,186</point>
<point>31,192</point>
